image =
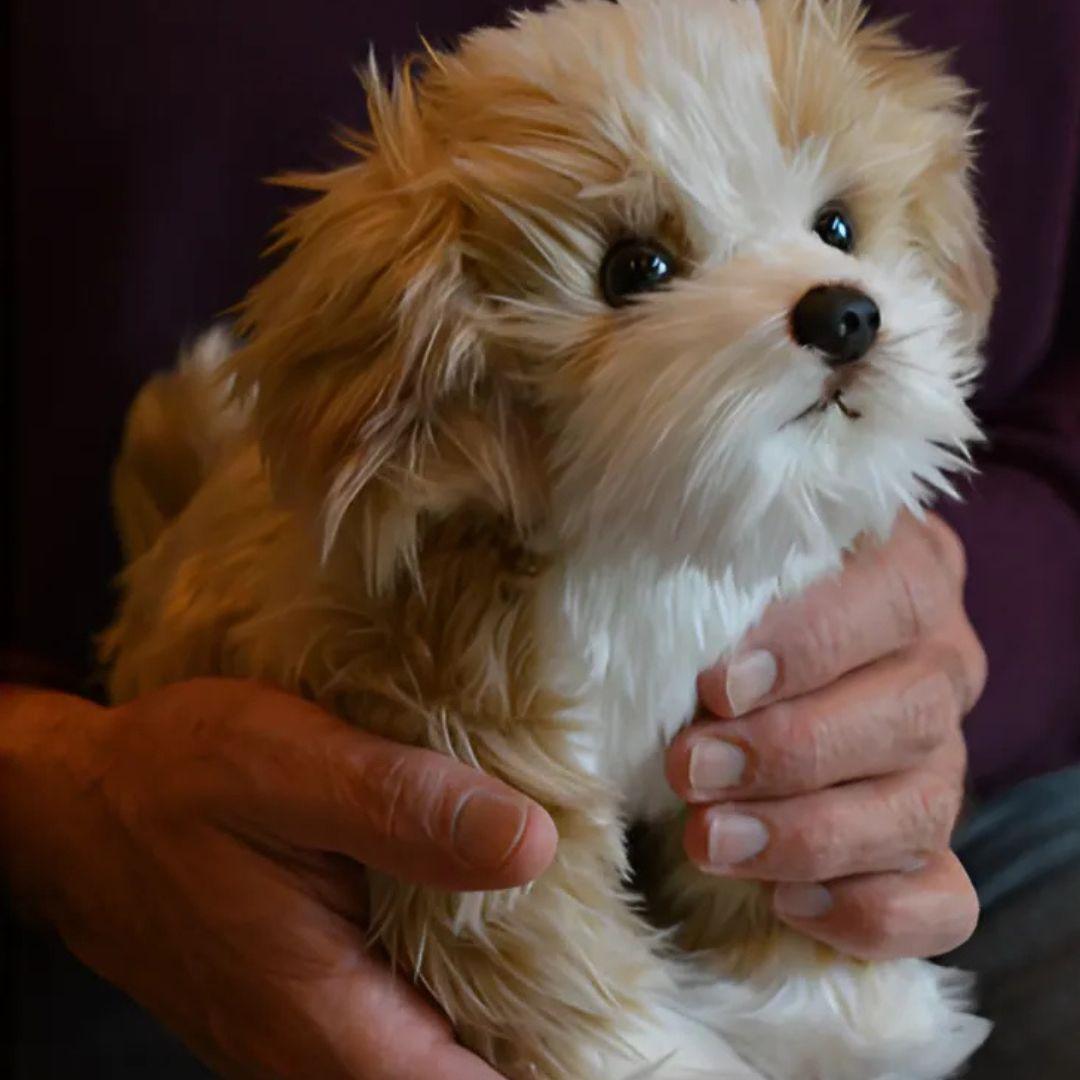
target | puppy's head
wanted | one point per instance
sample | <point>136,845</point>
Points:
<point>698,280</point>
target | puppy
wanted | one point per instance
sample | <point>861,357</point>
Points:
<point>624,322</point>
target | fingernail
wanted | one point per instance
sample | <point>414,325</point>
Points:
<point>734,838</point>
<point>715,765</point>
<point>750,678</point>
<point>487,828</point>
<point>802,901</point>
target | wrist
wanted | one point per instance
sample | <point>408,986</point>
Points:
<point>48,756</point>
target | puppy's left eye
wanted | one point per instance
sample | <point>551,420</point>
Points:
<point>632,267</point>
<point>834,227</point>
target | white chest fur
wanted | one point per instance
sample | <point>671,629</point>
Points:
<point>626,642</point>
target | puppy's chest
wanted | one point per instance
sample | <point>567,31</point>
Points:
<point>625,647</point>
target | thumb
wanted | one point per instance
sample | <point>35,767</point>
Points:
<point>409,812</point>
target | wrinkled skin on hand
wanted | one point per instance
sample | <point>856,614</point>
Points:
<point>203,849</point>
<point>844,709</point>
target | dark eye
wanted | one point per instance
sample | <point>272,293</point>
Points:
<point>632,267</point>
<point>834,227</point>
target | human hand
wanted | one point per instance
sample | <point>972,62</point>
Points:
<point>834,766</point>
<point>202,848</point>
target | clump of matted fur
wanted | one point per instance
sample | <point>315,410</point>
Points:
<point>464,503</point>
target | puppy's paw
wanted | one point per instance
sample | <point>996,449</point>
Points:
<point>905,1020</point>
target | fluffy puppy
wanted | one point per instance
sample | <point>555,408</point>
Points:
<point>625,321</point>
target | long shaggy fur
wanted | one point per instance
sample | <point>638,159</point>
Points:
<point>443,489</point>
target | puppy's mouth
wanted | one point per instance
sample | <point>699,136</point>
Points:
<point>832,399</point>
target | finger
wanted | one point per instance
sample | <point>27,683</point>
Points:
<point>305,997</point>
<point>288,771</point>
<point>393,1006</point>
<point>420,816</point>
<point>336,882</point>
<point>884,718</point>
<point>402,1036</point>
<point>884,599</point>
<point>866,827</point>
<point>887,916</point>
<point>963,659</point>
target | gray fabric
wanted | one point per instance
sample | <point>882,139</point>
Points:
<point>1023,854</point>
<point>1027,954</point>
<point>1022,839</point>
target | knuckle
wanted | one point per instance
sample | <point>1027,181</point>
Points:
<point>816,647</point>
<point>878,922</point>
<point>957,916</point>
<point>786,748</point>
<point>963,662</point>
<point>936,807</point>
<point>812,849</point>
<point>808,754</point>
<point>976,667</point>
<point>916,599</point>
<point>929,713</point>
<point>946,548</point>
<point>967,921</point>
<point>872,927</point>
<point>925,579</point>
<point>227,703</point>
<point>883,917</point>
<point>891,921</point>
<point>143,786</point>
<point>956,763</point>
<point>387,790</point>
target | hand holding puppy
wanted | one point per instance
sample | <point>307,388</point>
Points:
<point>833,764</point>
<point>201,848</point>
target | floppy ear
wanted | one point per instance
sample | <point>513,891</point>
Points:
<point>359,335</point>
<point>947,218</point>
<point>949,222</point>
<point>929,113</point>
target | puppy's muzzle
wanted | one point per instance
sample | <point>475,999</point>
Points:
<point>839,322</point>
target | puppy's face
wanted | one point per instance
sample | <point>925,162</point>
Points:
<point>701,280</point>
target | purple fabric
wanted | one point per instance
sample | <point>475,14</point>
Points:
<point>1021,523</point>
<point>141,128</point>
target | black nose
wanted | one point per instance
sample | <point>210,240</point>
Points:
<point>839,321</point>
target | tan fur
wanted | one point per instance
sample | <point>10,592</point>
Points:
<point>386,526</point>
<point>827,62</point>
<point>178,427</point>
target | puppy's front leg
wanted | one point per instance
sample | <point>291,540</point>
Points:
<point>730,919</point>
<point>560,980</point>
<point>808,1013</point>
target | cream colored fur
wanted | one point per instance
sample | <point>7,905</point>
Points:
<point>445,490</point>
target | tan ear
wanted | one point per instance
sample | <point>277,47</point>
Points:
<point>358,335</point>
<point>947,218</point>
<point>949,222</point>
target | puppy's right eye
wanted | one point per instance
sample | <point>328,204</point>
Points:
<point>834,226</point>
<point>633,267</point>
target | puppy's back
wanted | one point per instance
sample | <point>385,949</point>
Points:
<point>175,432</point>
